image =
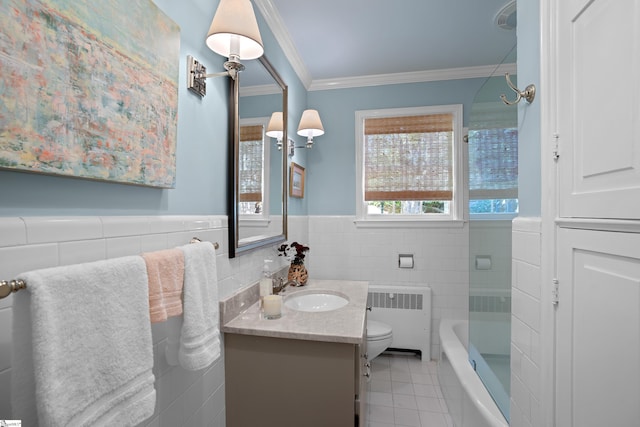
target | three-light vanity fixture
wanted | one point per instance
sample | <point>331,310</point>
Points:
<point>310,126</point>
<point>234,34</point>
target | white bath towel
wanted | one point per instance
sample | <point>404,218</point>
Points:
<point>173,327</point>
<point>84,355</point>
<point>200,334</point>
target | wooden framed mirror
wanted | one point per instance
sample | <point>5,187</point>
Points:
<point>257,168</point>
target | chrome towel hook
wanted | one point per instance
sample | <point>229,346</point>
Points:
<point>528,94</point>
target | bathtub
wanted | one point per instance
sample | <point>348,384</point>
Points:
<point>469,403</point>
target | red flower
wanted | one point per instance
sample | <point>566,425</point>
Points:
<point>300,249</point>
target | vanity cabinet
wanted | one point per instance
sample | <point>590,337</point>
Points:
<point>285,382</point>
<point>304,369</point>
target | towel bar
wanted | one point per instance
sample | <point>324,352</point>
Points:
<point>7,287</point>
<point>196,240</point>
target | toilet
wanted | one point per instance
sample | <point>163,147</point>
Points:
<point>379,338</point>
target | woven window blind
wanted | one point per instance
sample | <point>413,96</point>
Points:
<point>250,163</point>
<point>493,152</point>
<point>409,158</point>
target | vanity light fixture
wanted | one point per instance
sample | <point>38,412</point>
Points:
<point>234,34</point>
<point>275,128</point>
<point>310,126</point>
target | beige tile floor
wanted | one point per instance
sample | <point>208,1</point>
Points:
<point>404,391</point>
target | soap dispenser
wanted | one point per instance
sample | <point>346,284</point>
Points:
<point>266,283</point>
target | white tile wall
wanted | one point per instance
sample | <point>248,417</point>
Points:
<point>192,399</point>
<point>487,238</point>
<point>339,250</point>
<point>525,323</point>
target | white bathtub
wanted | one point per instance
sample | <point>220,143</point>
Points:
<point>469,402</point>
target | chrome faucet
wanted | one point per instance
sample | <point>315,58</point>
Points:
<point>282,285</point>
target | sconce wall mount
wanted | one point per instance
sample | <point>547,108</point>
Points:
<point>233,33</point>
<point>197,73</point>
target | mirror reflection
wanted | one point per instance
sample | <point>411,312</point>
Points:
<point>258,200</point>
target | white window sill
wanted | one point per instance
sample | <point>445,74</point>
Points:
<point>409,223</point>
<point>492,216</point>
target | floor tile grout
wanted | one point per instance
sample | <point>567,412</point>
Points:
<point>404,392</point>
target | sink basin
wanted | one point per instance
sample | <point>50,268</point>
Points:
<point>315,301</point>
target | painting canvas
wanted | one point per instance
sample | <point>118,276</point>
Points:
<point>296,180</point>
<point>89,89</point>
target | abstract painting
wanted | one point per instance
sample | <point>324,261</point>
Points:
<point>89,90</point>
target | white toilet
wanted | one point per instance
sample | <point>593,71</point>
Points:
<point>379,338</point>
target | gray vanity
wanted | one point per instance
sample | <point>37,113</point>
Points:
<point>304,369</point>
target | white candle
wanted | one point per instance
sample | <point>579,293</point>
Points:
<point>272,306</point>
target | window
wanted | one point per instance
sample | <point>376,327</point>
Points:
<point>409,164</point>
<point>493,161</point>
<point>250,169</point>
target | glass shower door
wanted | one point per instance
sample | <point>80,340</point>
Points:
<point>493,203</point>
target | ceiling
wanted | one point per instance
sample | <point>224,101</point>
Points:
<point>335,40</point>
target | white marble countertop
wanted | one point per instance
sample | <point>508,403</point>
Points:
<point>344,325</point>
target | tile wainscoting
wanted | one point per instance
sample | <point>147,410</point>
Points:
<point>341,250</point>
<point>184,398</point>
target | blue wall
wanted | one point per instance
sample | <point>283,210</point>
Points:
<point>203,129</point>
<point>201,174</point>
<point>529,115</point>
<point>331,162</point>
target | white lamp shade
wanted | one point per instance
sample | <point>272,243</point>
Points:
<point>234,30</point>
<point>275,126</point>
<point>310,124</point>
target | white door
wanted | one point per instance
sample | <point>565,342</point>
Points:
<point>598,346</point>
<point>598,70</point>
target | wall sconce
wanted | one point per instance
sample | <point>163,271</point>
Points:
<point>310,126</point>
<point>275,128</point>
<point>234,34</point>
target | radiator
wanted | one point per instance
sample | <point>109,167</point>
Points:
<point>407,309</point>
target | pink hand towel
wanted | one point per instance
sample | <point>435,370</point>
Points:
<point>166,278</point>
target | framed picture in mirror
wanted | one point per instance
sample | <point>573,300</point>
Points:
<point>296,181</point>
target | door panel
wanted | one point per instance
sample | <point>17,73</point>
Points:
<point>598,334</point>
<point>599,108</point>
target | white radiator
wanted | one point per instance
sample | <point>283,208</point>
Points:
<point>407,309</point>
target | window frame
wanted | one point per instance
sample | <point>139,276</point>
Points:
<point>456,217</point>
<point>263,219</point>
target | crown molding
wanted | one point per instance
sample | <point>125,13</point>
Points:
<point>277,26</point>
<point>413,77</point>
<point>275,23</point>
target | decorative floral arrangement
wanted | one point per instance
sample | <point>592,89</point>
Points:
<point>298,257</point>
